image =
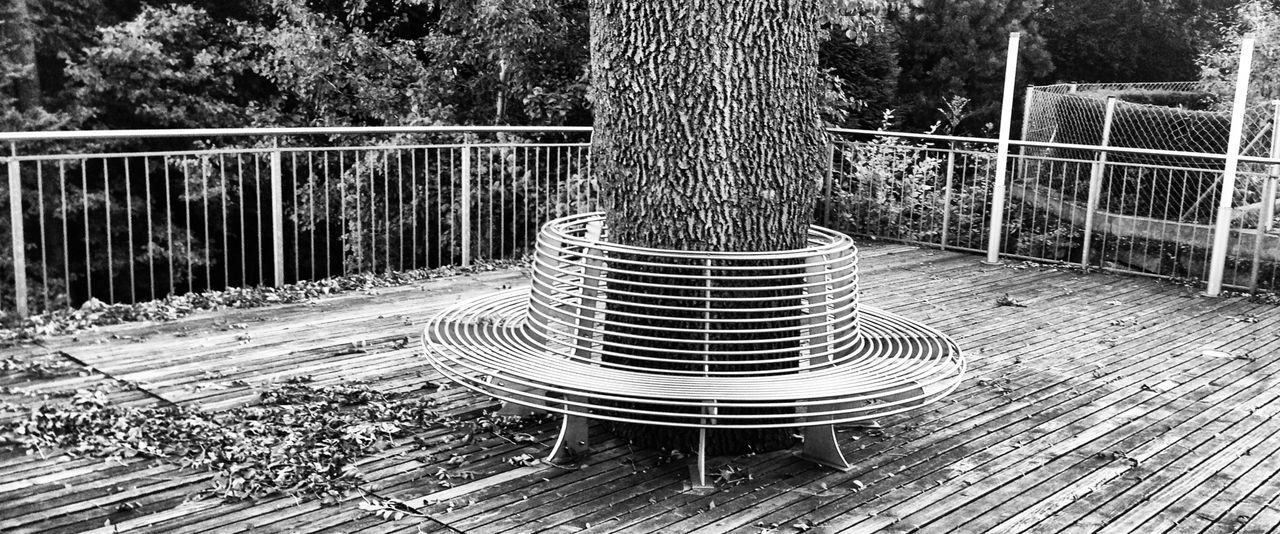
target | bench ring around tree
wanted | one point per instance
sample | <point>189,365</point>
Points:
<point>692,339</point>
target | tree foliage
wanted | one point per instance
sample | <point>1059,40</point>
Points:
<point>957,48</point>
<point>1261,19</point>
<point>1122,40</point>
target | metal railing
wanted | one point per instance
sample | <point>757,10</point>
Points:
<point>103,215</point>
<point>1145,218</point>
<point>93,216</point>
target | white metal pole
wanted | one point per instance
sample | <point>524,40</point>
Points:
<point>277,216</point>
<point>466,203</point>
<point>1222,226</point>
<point>1095,182</point>
<point>15,231</point>
<point>1002,151</point>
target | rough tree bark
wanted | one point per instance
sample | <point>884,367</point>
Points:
<point>707,135</point>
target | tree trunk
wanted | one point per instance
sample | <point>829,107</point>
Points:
<point>17,36</point>
<point>707,136</point>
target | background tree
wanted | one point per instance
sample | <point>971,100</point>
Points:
<point>951,48</point>
<point>863,76</point>
<point>1220,62</point>
<point>1119,40</point>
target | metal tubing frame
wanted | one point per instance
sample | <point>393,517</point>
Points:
<point>1222,227</point>
<point>1096,172</point>
<point>277,218</point>
<point>1002,152</point>
<point>16,234</point>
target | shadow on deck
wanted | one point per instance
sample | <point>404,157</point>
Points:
<point>1108,404</point>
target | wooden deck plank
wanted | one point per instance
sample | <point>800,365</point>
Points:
<point>1002,431</point>
<point>1028,488</point>
<point>1008,450</point>
<point>1086,478</point>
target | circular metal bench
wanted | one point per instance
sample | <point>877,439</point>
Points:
<point>693,339</point>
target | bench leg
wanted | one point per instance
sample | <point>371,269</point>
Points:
<point>698,469</point>
<point>820,446</point>
<point>573,441</point>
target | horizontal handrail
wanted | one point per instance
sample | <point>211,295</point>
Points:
<point>10,137</point>
<point>7,137</point>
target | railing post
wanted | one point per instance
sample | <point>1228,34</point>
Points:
<point>1222,225</point>
<point>1266,209</point>
<point>16,232</point>
<point>1002,151</point>
<point>1026,119</point>
<point>466,203</point>
<point>277,216</point>
<point>1095,182</point>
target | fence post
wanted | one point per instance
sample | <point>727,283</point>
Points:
<point>1266,210</point>
<point>277,216</point>
<point>1002,151</point>
<point>1222,225</point>
<point>1026,119</point>
<point>466,203</point>
<point>1095,182</point>
<point>15,231</point>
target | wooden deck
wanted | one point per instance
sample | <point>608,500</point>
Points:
<point>1107,404</point>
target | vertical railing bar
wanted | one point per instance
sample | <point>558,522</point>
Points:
<point>204,203</point>
<point>262,243</point>
<point>1151,213</point>
<point>16,237</point>
<point>186,202</point>
<point>106,203</point>
<point>413,202</point>
<point>66,240</point>
<point>151,260</point>
<point>293,197</point>
<point>342,208</point>
<point>373,213</point>
<point>387,211</point>
<point>226,252</point>
<point>427,219</point>
<point>277,215</point>
<point>946,194</point>
<point>487,190</point>
<point>502,202</point>
<point>128,217</point>
<point>466,203</point>
<point>328,218</point>
<point>44,238</point>
<point>84,202</point>
<point>311,214</point>
<point>244,237</point>
<point>1164,215</point>
<point>359,238</point>
<point>1124,195</point>
<point>440,243</point>
<point>524,179</point>
<point>400,204</point>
